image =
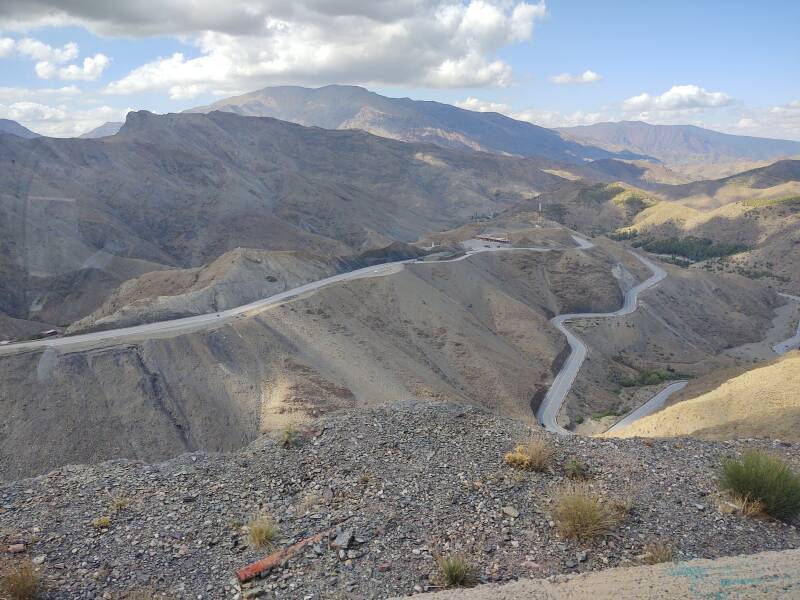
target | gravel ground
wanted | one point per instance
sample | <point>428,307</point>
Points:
<point>395,486</point>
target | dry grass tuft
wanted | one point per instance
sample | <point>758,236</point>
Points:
<point>535,455</point>
<point>103,522</point>
<point>22,584</point>
<point>456,571</point>
<point>658,552</point>
<point>367,479</point>
<point>288,436</point>
<point>582,514</point>
<point>118,504</point>
<point>623,505</point>
<point>262,531</point>
<point>749,507</point>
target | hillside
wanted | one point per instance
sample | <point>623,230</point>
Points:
<point>237,277</point>
<point>779,178</point>
<point>79,217</point>
<point>757,209</point>
<point>683,145</point>
<point>386,490</point>
<point>473,331</point>
<point>351,107</point>
<point>14,128</point>
<point>761,402</point>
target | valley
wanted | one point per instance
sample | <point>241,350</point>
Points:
<point>342,326</point>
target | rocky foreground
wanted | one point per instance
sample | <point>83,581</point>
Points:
<point>389,489</point>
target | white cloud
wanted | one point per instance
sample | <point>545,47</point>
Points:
<point>37,50</point>
<point>747,123</point>
<point>789,108</point>
<point>587,76</point>
<point>482,106</point>
<point>431,43</point>
<point>779,121</point>
<point>59,120</point>
<point>554,118</point>
<point>10,94</point>
<point>49,59</point>
<point>32,112</point>
<point>679,97</point>
<point>7,46</point>
<point>91,70</point>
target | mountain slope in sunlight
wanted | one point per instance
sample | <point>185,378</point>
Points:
<point>762,402</point>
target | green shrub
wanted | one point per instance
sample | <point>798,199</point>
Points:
<point>760,476</point>
<point>761,202</point>
<point>576,469</point>
<point>690,247</point>
<point>624,234</point>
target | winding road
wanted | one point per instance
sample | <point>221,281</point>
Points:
<point>548,410</point>
<point>649,407</point>
<point>187,324</point>
<point>547,414</point>
<point>794,341</point>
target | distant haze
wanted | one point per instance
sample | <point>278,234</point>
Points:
<point>681,145</point>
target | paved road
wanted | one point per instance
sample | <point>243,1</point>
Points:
<point>551,405</point>
<point>794,341</point>
<point>547,412</point>
<point>649,407</point>
<point>657,402</point>
<point>205,321</point>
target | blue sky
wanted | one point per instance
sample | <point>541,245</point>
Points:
<point>68,66</point>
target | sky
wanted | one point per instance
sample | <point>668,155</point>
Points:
<point>67,66</point>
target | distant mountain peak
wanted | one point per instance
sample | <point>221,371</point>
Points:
<point>14,128</point>
<point>106,129</point>
<point>354,107</point>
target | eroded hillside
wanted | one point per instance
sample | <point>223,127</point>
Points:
<point>471,331</point>
<point>78,217</point>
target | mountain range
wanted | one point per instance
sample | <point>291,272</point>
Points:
<point>78,217</point>
<point>681,145</point>
<point>352,107</point>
